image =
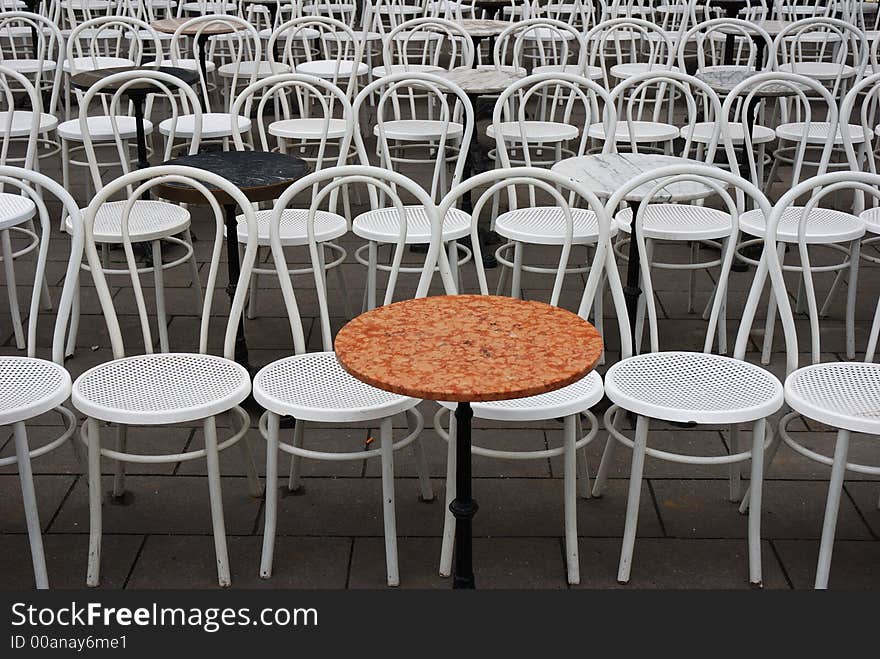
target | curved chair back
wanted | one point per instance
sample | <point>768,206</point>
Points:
<point>752,45</point>
<point>427,42</point>
<point>40,59</point>
<point>11,83</point>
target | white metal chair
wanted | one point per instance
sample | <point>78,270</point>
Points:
<point>622,47</point>
<point>446,138</point>
<point>422,44</point>
<point>313,387</point>
<point>164,388</point>
<point>694,387</point>
<point>571,402</point>
<point>30,387</point>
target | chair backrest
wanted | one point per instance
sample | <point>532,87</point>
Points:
<point>11,83</point>
<point>710,39</point>
<point>428,41</point>
<point>295,96</point>
<point>628,40</point>
<point>319,38</point>
<point>109,36</point>
<point>544,41</point>
<point>402,96</point>
<point>242,40</point>
<point>860,107</point>
<point>49,47</point>
<point>328,182</point>
<point>170,93</point>
<point>140,182</point>
<point>39,188</point>
<point>728,190</point>
<point>339,10</point>
<point>564,194</point>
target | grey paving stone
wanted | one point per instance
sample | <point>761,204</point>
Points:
<point>50,491</point>
<point>854,564</point>
<point>866,497</point>
<point>66,556</point>
<point>187,561</point>
<point>162,504</point>
<point>791,509</point>
<point>789,464</point>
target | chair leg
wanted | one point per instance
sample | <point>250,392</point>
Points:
<point>872,337</point>
<point>371,275</point>
<point>214,490</point>
<point>29,499</point>
<point>94,441</point>
<point>570,500</point>
<point>516,275</point>
<point>734,474</point>
<point>294,483</point>
<point>11,291</point>
<point>851,289</point>
<point>387,452</point>
<point>632,503</point>
<point>426,492</point>
<point>343,291</point>
<point>769,325</point>
<point>756,487</point>
<point>607,457</point>
<point>45,298</point>
<point>449,518</point>
<point>247,457</point>
<point>253,293</point>
<point>119,476</point>
<point>583,465</point>
<point>273,423</point>
<point>159,282</point>
<point>194,267</point>
<point>73,330</point>
<point>832,506</point>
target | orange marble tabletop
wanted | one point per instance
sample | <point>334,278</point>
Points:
<point>468,348</point>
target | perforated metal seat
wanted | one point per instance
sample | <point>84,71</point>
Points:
<point>843,395</point>
<point>309,129</point>
<point>22,121</point>
<point>645,131</point>
<point>573,399</point>
<point>546,226</point>
<point>383,225</point>
<point>702,133</point>
<point>80,64</point>
<point>871,218</point>
<point>630,69</point>
<point>534,131</point>
<point>382,71</point>
<point>819,70</point>
<point>693,387</point>
<point>816,132</point>
<point>101,128</point>
<point>149,220</point>
<point>679,222</point>
<point>588,71</point>
<point>214,125</point>
<point>420,129</point>
<point>160,388</point>
<point>260,69</point>
<point>314,387</point>
<point>824,225</point>
<point>15,209</point>
<point>30,387</point>
<point>328,226</point>
<point>329,70</point>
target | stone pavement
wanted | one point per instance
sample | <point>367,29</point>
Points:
<point>330,535</point>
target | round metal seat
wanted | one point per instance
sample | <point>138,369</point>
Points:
<point>871,218</point>
<point>546,226</point>
<point>15,209</point>
<point>534,131</point>
<point>314,387</point>
<point>816,132</point>
<point>591,72</point>
<point>824,225</point>
<point>101,128</point>
<point>843,395</point>
<point>383,225</point>
<point>419,129</point>
<point>678,222</point>
<point>309,129</point>
<point>160,388</point>
<point>22,121</point>
<point>645,131</point>
<point>331,69</point>
<point>693,387</point>
<point>702,133</point>
<point>30,387</point>
<point>214,125</point>
<point>149,220</point>
<point>328,226</point>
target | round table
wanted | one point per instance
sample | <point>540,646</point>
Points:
<point>261,176</point>
<point>464,349</point>
<point>136,93</point>
<point>605,173</point>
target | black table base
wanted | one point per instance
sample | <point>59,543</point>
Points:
<point>463,507</point>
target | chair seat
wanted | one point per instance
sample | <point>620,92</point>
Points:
<point>645,131</point>
<point>209,7</point>
<point>298,34</point>
<point>25,66</point>
<point>15,209</point>
<point>315,387</point>
<point>693,387</point>
<point>22,121</point>
<point>382,71</point>
<point>546,226</point>
<point>622,71</point>
<point>871,218</point>
<point>160,388</point>
<point>101,128</point>
<point>843,395</point>
<point>149,220</point>
<point>187,64</point>
<point>591,72</point>
<point>360,35</point>
<point>328,226</point>
<point>383,225</point>
<point>30,387</point>
<point>547,34</point>
<point>819,70</point>
<point>824,225</point>
<point>214,125</point>
<point>420,129</point>
<point>80,64</point>
<point>816,132</point>
<point>309,129</point>
<point>702,133</point>
<point>534,131</point>
<point>330,69</point>
<point>260,69</point>
<point>573,399</point>
<point>679,222</point>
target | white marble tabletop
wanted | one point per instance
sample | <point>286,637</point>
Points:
<point>481,81</point>
<point>724,78</point>
<point>479,27</point>
<point>603,174</point>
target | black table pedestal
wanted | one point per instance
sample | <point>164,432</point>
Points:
<point>632,290</point>
<point>463,507</point>
<point>467,203</point>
